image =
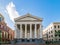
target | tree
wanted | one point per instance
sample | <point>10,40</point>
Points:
<point>57,33</point>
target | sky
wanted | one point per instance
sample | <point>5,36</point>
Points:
<point>49,10</point>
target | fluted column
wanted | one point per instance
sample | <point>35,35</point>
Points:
<point>35,31</point>
<point>21,31</point>
<point>41,31</point>
<point>25,30</point>
<point>30,30</point>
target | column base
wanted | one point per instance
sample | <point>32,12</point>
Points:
<point>28,41</point>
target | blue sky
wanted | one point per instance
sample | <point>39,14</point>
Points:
<point>49,10</point>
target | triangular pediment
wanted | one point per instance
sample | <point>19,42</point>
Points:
<point>28,17</point>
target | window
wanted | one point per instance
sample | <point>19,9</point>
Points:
<point>55,35</point>
<point>58,26</point>
<point>52,39</point>
<point>54,26</point>
<point>55,30</point>
<point>59,39</point>
<point>51,32</point>
<point>59,35</point>
<point>51,27</point>
<point>51,35</point>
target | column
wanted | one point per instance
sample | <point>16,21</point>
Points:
<point>25,30</point>
<point>30,30</point>
<point>35,31</point>
<point>15,31</point>
<point>21,31</point>
<point>41,31</point>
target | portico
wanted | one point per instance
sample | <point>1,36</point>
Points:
<point>28,30</point>
<point>28,26</point>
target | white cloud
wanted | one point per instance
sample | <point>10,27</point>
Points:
<point>11,10</point>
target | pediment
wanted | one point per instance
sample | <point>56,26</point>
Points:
<point>28,17</point>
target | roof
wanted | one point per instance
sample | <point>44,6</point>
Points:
<point>28,15</point>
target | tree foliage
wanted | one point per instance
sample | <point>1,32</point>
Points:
<point>57,32</point>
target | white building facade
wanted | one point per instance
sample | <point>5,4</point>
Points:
<point>28,26</point>
<point>49,33</point>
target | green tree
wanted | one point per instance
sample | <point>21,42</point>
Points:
<point>57,33</point>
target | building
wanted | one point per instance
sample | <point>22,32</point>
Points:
<point>6,33</point>
<point>49,33</point>
<point>11,34</point>
<point>28,28</point>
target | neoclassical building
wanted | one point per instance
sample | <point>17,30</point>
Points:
<point>28,27</point>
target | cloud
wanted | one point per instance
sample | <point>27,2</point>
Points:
<point>11,10</point>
